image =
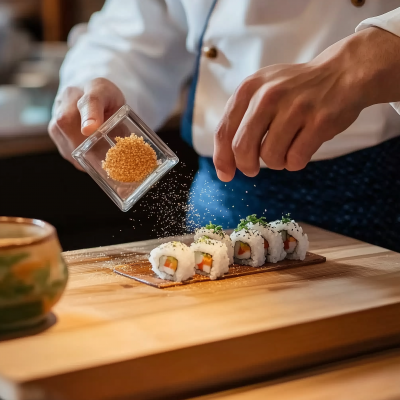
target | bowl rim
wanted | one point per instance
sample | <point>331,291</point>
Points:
<point>28,241</point>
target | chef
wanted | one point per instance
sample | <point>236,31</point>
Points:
<point>293,107</point>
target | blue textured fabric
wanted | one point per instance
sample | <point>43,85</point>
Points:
<point>357,195</point>
<point>187,117</point>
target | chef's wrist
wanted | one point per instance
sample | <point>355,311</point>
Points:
<point>366,67</point>
<point>372,60</point>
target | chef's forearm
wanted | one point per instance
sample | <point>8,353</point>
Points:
<point>376,61</point>
<point>389,22</point>
<point>369,64</point>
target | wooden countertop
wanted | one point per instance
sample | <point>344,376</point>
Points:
<point>374,377</point>
<point>115,337</point>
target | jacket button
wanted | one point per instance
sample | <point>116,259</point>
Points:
<point>358,3</point>
<point>210,52</point>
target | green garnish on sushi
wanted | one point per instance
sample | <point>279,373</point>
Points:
<point>203,239</point>
<point>253,219</point>
<point>216,228</point>
<point>286,219</point>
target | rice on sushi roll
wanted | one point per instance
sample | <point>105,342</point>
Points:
<point>173,261</point>
<point>210,257</point>
<point>248,247</point>
<point>295,241</point>
<point>273,244</point>
<point>216,232</point>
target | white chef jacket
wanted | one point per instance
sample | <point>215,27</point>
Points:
<point>149,49</point>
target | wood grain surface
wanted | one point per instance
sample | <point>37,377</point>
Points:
<point>114,337</point>
<point>373,377</point>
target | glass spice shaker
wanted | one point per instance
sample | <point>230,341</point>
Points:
<point>92,153</point>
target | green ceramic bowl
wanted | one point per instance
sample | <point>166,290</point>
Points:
<point>33,274</point>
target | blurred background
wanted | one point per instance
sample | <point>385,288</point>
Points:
<point>36,182</point>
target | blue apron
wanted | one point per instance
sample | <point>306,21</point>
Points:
<point>357,195</point>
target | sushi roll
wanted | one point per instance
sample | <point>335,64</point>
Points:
<point>273,244</point>
<point>210,257</point>
<point>215,232</point>
<point>173,261</point>
<point>248,247</point>
<point>295,241</point>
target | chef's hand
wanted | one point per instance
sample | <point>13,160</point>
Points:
<point>302,106</point>
<point>79,113</point>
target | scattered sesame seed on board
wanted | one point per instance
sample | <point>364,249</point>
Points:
<point>130,160</point>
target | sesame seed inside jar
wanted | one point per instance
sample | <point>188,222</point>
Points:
<point>130,160</point>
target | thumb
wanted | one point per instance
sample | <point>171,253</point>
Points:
<point>91,108</point>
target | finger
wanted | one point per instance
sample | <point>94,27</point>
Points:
<point>91,107</point>
<point>224,159</point>
<point>62,143</point>
<point>67,117</point>
<point>248,138</point>
<point>69,95</point>
<point>303,147</point>
<point>281,134</point>
<point>235,109</point>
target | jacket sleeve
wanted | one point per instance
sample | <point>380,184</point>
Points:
<point>389,22</point>
<point>139,45</point>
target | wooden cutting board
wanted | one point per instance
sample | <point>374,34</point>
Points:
<point>370,377</point>
<point>114,337</point>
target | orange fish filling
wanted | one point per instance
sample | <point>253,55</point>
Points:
<point>266,247</point>
<point>244,248</point>
<point>203,261</point>
<point>290,243</point>
<point>168,264</point>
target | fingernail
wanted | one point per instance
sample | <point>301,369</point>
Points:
<point>88,122</point>
<point>223,176</point>
<point>251,174</point>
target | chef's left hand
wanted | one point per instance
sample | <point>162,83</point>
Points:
<point>284,113</point>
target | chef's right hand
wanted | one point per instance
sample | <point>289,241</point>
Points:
<point>79,113</point>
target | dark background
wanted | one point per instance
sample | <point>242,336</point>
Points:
<point>51,20</point>
<point>45,186</point>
